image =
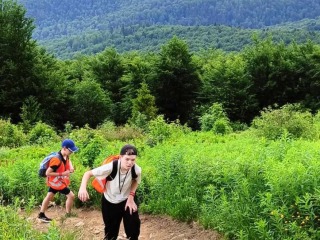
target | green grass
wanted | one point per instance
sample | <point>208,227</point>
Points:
<point>244,186</point>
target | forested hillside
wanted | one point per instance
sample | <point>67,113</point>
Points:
<point>198,38</point>
<point>136,87</point>
<point>57,18</point>
<point>67,27</point>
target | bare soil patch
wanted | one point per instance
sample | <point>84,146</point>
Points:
<point>88,225</point>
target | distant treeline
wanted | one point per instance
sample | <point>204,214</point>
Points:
<point>137,86</point>
<point>68,17</point>
<point>198,38</point>
<point>69,27</point>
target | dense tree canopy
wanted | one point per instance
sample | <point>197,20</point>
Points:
<point>67,17</point>
<point>177,81</point>
<point>68,27</point>
<point>174,82</point>
<point>25,69</point>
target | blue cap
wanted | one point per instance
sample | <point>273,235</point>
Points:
<point>68,143</point>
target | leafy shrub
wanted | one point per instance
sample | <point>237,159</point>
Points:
<point>11,135</point>
<point>42,133</point>
<point>12,227</point>
<point>91,104</point>
<point>273,122</point>
<point>31,113</point>
<point>126,133</point>
<point>140,120</point>
<point>316,123</point>
<point>143,107</point>
<point>238,126</point>
<point>91,150</point>
<point>23,175</point>
<point>159,130</point>
<point>221,126</point>
<point>111,132</point>
<point>215,119</point>
<point>4,186</point>
<point>82,136</point>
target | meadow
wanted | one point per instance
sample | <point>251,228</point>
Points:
<point>245,184</point>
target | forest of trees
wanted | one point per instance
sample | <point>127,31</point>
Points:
<point>69,28</point>
<point>176,83</point>
<point>68,17</point>
<point>150,39</point>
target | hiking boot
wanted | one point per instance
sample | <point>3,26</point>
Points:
<point>44,218</point>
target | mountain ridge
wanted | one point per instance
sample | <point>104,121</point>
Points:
<point>90,26</point>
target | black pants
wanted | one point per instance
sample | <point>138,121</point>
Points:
<point>112,215</point>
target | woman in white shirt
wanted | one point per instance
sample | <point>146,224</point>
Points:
<point>117,202</point>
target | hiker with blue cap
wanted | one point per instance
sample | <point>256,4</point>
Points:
<point>57,178</point>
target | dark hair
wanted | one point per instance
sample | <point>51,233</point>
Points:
<point>128,150</point>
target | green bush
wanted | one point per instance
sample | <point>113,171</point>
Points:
<point>221,126</point>
<point>11,135</point>
<point>159,130</point>
<point>110,132</point>
<point>289,118</point>
<point>42,133</point>
<point>140,120</point>
<point>91,151</point>
<point>31,113</point>
<point>12,227</point>
<point>216,120</point>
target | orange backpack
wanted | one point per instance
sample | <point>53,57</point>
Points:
<point>100,185</point>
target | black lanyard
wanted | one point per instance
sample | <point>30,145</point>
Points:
<point>120,187</point>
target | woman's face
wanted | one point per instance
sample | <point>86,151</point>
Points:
<point>127,161</point>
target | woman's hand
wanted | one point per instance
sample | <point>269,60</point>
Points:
<point>131,205</point>
<point>83,195</point>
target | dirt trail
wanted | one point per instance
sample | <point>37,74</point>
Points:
<point>87,223</point>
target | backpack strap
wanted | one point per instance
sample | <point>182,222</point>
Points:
<point>59,155</point>
<point>133,172</point>
<point>114,170</point>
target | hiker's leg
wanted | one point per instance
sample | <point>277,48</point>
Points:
<point>70,198</point>
<point>46,201</point>
<point>131,224</point>
<point>112,216</point>
<point>69,202</point>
